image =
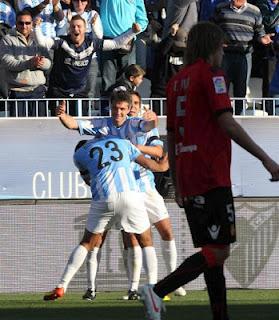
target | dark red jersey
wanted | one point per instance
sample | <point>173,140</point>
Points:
<point>195,98</point>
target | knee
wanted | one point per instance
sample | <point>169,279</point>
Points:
<point>215,255</point>
<point>145,239</point>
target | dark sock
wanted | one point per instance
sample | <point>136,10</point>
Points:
<point>216,287</point>
<point>189,270</point>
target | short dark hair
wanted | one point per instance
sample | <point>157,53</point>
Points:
<point>136,94</point>
<point>120,96</point>
<point>24,12</point>
<point>80,144</point>
<point>204,39</point>
<point>78,17</point>
<point>134,70</point>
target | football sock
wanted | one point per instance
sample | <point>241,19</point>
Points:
<point>75,261</point>
<point>134,266</point>
<point>169,254</point>
<point>216,287</point>
<point>150,264</point>
<point>92,264</point>
<point>189,270</point>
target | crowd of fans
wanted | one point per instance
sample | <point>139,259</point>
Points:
<point>83,48</point>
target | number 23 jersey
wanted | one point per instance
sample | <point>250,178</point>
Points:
<point>108,162</point>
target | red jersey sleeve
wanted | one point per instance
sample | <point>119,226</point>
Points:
<point>218,98</point>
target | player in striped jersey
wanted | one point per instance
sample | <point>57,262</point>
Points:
<point>151,145</point>
<point>119,124</point>
<point>105,165</point>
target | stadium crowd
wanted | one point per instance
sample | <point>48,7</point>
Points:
<point>86,69</point>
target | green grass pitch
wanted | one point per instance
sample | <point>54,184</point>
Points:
<point>243,305</point>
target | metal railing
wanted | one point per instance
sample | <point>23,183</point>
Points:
<point>12,108</point>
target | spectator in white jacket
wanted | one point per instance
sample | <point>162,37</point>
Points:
<point>24,65</point>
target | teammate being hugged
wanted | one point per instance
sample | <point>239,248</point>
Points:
<point>200,127</point>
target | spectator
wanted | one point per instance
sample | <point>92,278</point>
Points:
<point>241,22</point>
<point>132,78</point>
<point>147,40</point>
<point>7,21</point>
<point>264,55</point>
<point>117,16</point>
<point>82,8</point>
<point>180,14</point>
<point>72,58</point>
<point>24,63</point>
<point>50,12</point>
<point>169,59</point>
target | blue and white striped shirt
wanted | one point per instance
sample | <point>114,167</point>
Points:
<point>7,14</point>
<point>108,162</point>
<point>145,177</point>
<point>48,23</point>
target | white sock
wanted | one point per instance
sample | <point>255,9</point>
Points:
<point>125,262</point>
<point>150,264</point>
<point>134,266</point>
<point>75,261</point>
<point>92,264</point>
<point>169,254</point>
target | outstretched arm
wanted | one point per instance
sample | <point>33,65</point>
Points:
<point>239,136</point>
<point>122,40</point>
<point>153,151</point>
<point>68,121</point>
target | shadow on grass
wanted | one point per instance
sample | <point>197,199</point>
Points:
<point>134,311</point>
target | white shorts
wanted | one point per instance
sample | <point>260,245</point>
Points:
<point>155,206</point>
<point>125,209</point>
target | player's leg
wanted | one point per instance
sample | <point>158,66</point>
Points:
<point>159,217</point>
<point>134,264</point>
<point>75,261</point>
<point>150,262</point>
<point>213,230</point>
<point>92,265</point>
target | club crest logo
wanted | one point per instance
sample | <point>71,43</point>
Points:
<point>257,233</point>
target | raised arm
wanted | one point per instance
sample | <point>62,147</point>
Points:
<point>150,120</point>
<point>39,38</point>
<point>68,121</point>
<point>239,136</point>
<point>97,27</point>
<point>57,10</point>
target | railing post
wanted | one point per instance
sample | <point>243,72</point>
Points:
<point>79,107</point>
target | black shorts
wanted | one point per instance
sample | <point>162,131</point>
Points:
<point>211,217</point>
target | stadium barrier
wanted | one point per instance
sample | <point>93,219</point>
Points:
<point>37,238</point>
<point>93,107</point>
